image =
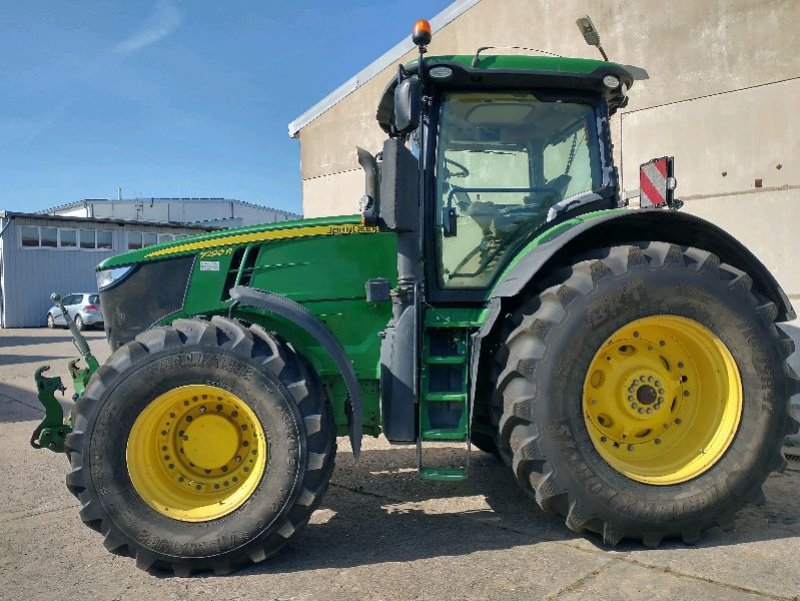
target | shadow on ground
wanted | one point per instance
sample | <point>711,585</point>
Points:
<point>393,517</point>
<point>18,404</point>
<point>56,337</point>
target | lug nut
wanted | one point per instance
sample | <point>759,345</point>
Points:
<point>630,447</point>
<point>202,409</point>
<point>657,441</point>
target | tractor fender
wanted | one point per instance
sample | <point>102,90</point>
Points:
<point>303,318</point>
<point>624,227</point>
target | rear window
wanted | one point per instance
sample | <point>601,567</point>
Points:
<point>94,299</point>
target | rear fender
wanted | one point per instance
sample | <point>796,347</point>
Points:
<point>610,229</point>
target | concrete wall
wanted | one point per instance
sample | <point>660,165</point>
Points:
<point>29,275</point>
<point>723,79</point>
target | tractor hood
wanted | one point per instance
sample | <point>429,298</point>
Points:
<point>298,228</point>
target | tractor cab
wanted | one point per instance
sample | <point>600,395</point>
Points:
<point>506,145</point>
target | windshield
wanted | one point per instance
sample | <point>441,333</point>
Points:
<point>504,159</point>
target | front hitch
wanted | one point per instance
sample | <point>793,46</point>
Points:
<point>54,428</point>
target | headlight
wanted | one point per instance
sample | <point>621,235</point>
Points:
<point>110,277</point>
<point>611,81</point>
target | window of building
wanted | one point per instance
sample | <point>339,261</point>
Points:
<point>134,240</point>
<point>68,238</point>
<point>137,240</point>
<point>32,236</point>
<point>104,241</point>
<point>87,239</point>
<point>29,235</point>
<point>48,236</point>
<point>164,238</point>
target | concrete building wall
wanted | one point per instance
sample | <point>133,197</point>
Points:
<point>723,76</point>
<point>29,275</point>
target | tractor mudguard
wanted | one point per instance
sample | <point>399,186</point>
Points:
<point>624,227</point>
<point>303,318</point>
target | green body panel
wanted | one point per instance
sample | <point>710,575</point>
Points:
<point>546,236</point>
<point>323,264</point>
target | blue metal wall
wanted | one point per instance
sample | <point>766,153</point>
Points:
<point>29,275</point>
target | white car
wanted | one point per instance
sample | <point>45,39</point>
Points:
<point>83,308</point>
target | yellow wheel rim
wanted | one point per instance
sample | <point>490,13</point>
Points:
<point>196,453</point>
<point>662,399</point>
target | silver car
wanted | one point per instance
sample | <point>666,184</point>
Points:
<point>83,308</point>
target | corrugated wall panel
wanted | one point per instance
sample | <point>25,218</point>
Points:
<point>31,274</point>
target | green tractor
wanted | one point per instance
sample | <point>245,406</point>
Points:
<point>625,364</point>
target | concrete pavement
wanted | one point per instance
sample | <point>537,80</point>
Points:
<point>381,533</point>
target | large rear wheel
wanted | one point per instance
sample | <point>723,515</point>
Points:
<point>644,394</point>
<point>201,446</point>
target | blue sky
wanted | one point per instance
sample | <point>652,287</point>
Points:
<point>170,98</point>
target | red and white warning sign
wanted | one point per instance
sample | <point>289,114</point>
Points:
<point>656,183</point>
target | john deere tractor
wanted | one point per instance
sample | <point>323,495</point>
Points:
<point>625,364</point>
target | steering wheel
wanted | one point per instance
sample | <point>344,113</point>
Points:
<point>463,171</point>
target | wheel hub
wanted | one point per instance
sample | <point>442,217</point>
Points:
<point>201,433</point>
<point>196,453</point>
<point>662,399</point>
<point>646,395</point>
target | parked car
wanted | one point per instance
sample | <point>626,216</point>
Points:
<point>83,308</point>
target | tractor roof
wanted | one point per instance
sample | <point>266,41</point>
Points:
<point>520,71</point>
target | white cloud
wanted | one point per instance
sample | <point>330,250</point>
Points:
<point>164,19</point>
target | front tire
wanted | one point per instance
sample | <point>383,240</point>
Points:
<point>201,446</point>
<point>79,323</point>
<point>637,458</point>
<point>51,323</point>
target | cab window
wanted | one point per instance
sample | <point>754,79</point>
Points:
<point>504,159</point>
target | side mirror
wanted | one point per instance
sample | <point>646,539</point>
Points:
<point>406,105</point>
<point>657,184</point>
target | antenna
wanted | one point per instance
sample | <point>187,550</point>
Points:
<point>590,34</point>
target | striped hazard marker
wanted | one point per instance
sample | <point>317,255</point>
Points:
<point>656,183</point>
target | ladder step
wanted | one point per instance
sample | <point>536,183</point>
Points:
<point>446,397</point>
<point>443,474</point>
<point>454,360</point>
<point>442,434</point>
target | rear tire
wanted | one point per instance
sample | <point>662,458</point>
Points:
<point>543,421</point>
<point>123,496</point>
<point>51,323</point>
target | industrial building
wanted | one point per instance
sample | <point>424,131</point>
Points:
<point>41,254</point>
<point>722,79</point>
<point>221,212</point>
<point>57,250</point>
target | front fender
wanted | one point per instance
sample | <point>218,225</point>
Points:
<point>310,323</point>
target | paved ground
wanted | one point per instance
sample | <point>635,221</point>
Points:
<point>381,533</point>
